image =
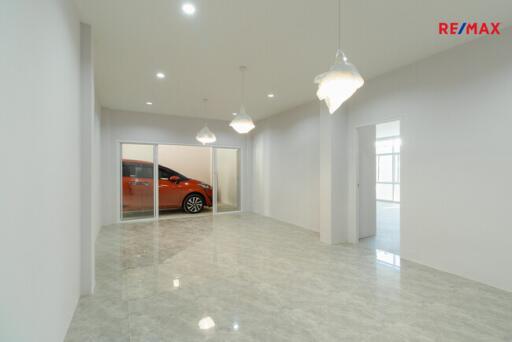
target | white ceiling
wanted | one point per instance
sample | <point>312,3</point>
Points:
<point>284,44</point>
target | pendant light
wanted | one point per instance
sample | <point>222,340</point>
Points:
<point>341,81</point>
<point>205,136</point>
<point>242,122</point>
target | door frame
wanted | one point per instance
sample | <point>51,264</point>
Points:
<point>353,190</point>
<point>215,179</point>
<point>155,144</point>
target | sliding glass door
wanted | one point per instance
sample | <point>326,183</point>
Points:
<point>184,180</point>
<point>178,180</point>
<point>137,186</point>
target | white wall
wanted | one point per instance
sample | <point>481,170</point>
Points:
<point>286,167</point>
<point>227,168</point>
<point>96,170</point>
<point>367,181</point>
<point>166,129</point>
<point>455,111</point>
<point>90,157</point>
<point>39,200</point>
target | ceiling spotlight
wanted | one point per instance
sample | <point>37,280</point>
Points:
<point>234,114</point>
<point>188,8</point>
<point>271,96</point>
<point>149,103</point>
<point>160,75</point>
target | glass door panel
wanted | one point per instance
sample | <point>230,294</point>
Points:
<point>137,186</point>
<point>184,180</point>
<point>227,176</point>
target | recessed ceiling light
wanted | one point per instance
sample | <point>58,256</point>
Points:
<point>271,96</point>
<point>149,103</point>
<point>234,114</point>
<point>160,75</point>
<point>188,8</point>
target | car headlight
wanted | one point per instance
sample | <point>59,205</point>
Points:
<point>204,186</point>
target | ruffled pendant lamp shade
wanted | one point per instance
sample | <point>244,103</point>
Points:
<point>205,136</point>
<point>341,81</point>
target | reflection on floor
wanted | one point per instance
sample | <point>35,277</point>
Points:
<point>388,229</point>
<point>226,207</point>
<point>179,213</point>
<point>244,277</point>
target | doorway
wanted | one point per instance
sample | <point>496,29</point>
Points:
<point>175,181</point>
<point>379,186</point>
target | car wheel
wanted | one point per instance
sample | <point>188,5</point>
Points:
<point>193,204</point>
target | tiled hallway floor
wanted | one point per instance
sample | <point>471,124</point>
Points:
<point>388,229</point>
<point>251,278</point>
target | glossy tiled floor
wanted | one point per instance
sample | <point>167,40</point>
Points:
<point>250,278</point>
<point>388,229</point>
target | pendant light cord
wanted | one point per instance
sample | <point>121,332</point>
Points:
<point>243,84</point>
<point>339,24</point>
<point>205,101</point>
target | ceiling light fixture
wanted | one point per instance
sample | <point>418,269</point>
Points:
<point>242,122</point>
<point>188,8</point>
<point>205,136</point>
<point>271,96</point>
<point>341,81</point>
<point>160,75</point>
<point>149,103</point>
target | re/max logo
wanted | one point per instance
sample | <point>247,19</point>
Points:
<point>475,28</point>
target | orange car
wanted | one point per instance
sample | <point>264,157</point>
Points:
<point>175,190</point>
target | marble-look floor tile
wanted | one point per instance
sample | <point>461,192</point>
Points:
<point>258,279</point>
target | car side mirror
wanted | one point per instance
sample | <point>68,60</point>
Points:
<point>174,179</point>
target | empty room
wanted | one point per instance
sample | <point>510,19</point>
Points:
<point>221,170</point>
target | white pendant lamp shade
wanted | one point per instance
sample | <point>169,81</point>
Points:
<point>205,136</point>
<point>242,122</point>
<point>339,83</point>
